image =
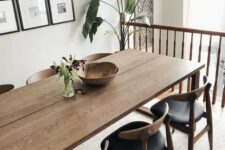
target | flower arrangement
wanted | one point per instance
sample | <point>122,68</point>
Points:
<point>68,69</point>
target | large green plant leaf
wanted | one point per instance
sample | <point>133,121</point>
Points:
<point>90,17</point>
<point>130,6</point>
<point>98,21</point>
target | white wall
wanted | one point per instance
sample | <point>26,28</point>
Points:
<point>158,11</point>
<point>24,53</point>
<point>168,12</point>
<point>173,12</point>
<point>205,14</point>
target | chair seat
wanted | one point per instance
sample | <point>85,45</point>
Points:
<point>179,111</point>
<point>155,142</point>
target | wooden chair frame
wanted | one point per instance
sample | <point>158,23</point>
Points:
<point>143,133</point>
<point>191,127</point>
<point>93,57</point>
<point>40,75</point>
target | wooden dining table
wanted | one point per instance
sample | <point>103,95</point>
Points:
<point>38,117</point>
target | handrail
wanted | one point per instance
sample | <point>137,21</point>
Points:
<point>181,29</point>
<point>159,42</point>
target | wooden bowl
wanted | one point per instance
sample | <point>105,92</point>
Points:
<point>98,73</point>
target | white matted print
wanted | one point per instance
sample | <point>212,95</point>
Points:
<point>61,11</point>
<point>8,19</point>
<point>33,13</point>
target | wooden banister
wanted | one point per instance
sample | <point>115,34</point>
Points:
<point>179,47</point>
<point>181,29</point>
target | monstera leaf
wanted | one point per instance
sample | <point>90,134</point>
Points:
<point>91,18</point>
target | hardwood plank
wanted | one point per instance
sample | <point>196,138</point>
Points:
<point>66,124</point>
<point>21,102</point>
<point>24,101</point>
<point>129,59</point>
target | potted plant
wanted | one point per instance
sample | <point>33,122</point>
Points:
<point>68,69</point>
<point>126,13</point>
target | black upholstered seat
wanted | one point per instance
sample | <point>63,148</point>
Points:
<point>185,111</point>
<point>155,142</point>
<point>179,110</point>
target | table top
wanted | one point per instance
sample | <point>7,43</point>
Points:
<point>37,116</point>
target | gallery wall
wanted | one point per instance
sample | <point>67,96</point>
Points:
<point>26,52</point>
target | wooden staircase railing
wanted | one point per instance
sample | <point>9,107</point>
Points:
<point>185,43</point>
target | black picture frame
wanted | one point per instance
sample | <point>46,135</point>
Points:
<point>15,17</point>
<point>60,22</point>
<point>22,18</point>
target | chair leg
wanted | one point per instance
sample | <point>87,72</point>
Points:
<point>191,128</point>
<point>210,136</point>
<point>191,140</point>
<point>209,116</point>
<point>210,132</point>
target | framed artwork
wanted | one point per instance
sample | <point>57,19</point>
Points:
<point>8,18</point>
<point>61,11</point>
<point>33,14</point>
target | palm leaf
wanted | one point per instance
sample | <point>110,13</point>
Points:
<point>98,21</point>
<point>129,6</point>
<point>90,17</point>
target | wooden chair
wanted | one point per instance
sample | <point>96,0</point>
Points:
<point>96,56</point>
<point>185,111</point>
<point>140,136</point>
<point>5,88</point>
<point>40,75</point>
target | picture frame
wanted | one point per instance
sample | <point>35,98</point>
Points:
<point>8,18</point>
<point>61,11</point>
<point>33,14</point>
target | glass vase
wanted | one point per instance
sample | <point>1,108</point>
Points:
<point>68,89</point>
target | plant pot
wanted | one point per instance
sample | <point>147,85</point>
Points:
<point>68,89</point>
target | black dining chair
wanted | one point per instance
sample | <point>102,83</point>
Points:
<point>185,111</point>
<point>5,88</point>
<point>140,135</point>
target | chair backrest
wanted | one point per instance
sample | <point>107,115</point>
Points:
<point>5,88</point>
<point>193,95</point>
<point>96,56</point>
<point>40,75</point>
<point>144,132</point>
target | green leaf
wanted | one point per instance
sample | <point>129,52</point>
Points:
<point>61,70</point>
<point>96,24</point>
<point>90,17</point>
<point>129,6</point>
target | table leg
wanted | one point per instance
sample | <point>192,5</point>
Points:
<point>195,81</point>
<point>194,85</point>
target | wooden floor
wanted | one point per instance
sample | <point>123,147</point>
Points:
<point>179,138</point>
